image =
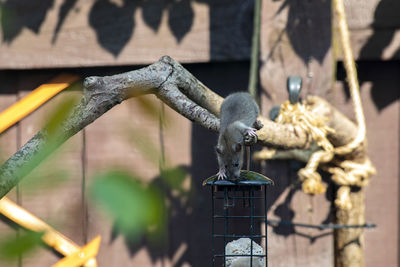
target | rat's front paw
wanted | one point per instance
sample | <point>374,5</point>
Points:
<point>250,136</point>
<point>251,132</point>
<point>221,174</point>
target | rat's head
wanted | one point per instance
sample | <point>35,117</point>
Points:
<point>230,157</point>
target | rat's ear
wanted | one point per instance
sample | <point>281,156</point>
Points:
<point>237,147</point>
<point>218,149</point>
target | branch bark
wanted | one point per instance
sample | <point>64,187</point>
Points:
<point>175,86</point>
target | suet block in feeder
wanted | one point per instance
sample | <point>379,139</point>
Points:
<point>239,215</point>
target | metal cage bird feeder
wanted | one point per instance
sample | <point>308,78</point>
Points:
<point>239,216</point>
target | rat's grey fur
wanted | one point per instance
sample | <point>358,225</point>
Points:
<point>238,116</point>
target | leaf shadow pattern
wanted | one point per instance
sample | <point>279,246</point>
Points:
<point>65,8</point>
<point>152,11</point>
<point>179,212</point>
<point>231,28</point>
<point>285,212</point>
<point>386,23</point>
<point>230,22</point>
<point>384,78</point>
<point>309,32</point>
<point>113,24</point>
<point>180,19</point>
<point>19,14</point>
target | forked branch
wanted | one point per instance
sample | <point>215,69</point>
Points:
<point>180,90</point>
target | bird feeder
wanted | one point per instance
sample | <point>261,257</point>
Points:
<point>239,216</point>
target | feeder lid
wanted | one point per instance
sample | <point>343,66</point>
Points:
<point>246,178</point>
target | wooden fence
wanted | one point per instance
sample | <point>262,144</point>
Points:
<point>296,40</point>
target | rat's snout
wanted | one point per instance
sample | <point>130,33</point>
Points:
<point>234,174</point>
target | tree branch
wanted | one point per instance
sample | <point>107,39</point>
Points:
<point>179,89</point>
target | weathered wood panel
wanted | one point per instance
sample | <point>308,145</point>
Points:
<point>110,145</point>
<point>295,40</point>
<point>281,57</point>
<point>45,192</point>
<point>58,33</point>
<point>380,96</point>
<point>58,204</point>
<point>8,139</point>
<point>375,28</point>
<point>191,145</point>
<point>101,32</point>
<point>8,146</point>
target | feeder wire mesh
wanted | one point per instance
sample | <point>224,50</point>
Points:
<point>243,248</point>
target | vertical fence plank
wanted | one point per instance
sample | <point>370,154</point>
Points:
<point>380,96</point>
<point>8,146</point>
<point>296,40</point>
<point>109,147</point>
<point>56,198</point>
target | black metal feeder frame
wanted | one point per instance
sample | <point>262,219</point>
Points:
<point>238,210</point>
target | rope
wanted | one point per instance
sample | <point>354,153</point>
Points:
<point>299,114</point>
<point>342,200</point>
<point>350,173</point>
<point>311,178</point>
<point>352,81</point>
<point>344,173</point>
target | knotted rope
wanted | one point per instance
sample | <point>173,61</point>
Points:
<point>345,173</point>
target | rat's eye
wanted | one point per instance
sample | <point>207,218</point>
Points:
<point>236,165</point>
<point>226,166</point>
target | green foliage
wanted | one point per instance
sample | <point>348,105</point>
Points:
<point>54,174</point>
<point>174,178</point>
<point>135,207</point>
<point>146,147</point>
<point>12,247</point>
<point>58,117</point>
<point>149,107</point>
<point>139,209</point>
<point>41,181</point>
<point>51,175</point>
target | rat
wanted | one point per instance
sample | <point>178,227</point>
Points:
<point>238,122</point>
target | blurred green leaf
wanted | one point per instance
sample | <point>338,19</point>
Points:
<point>75,86</point>
<point>53,177</point>
<point>157,213</point>
<point>36,159</point>
<point>134,207</point>
<point>2,156</point>
<point>12,247</point>
<point>149,106</point>
<point>154,108</point>
<point>54,129</point>
<point>143,143</point>
<point>58,116</point>
<point>174,177</point>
